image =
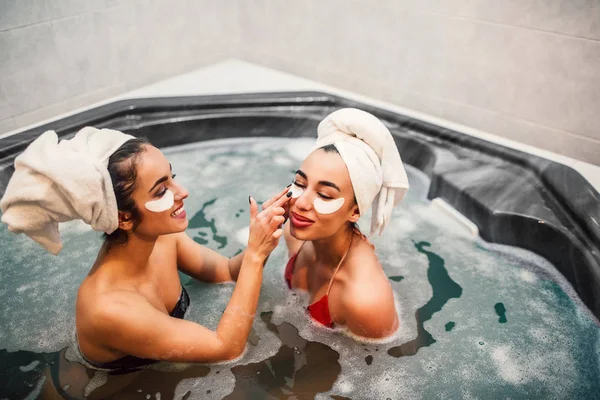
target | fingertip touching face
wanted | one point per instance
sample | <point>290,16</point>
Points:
<point>322,200</point>
<point>158,197</point>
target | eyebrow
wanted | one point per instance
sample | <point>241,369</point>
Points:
<point>322,183</point>
<point>161,180</point>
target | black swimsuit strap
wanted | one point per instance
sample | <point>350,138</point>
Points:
<point>182,305</point>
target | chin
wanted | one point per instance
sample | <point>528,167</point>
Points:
<point>305,235</point>
<point>181,226</point>
<point>184,225</point>
<point>299,234</point>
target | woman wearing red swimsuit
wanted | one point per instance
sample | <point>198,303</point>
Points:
<point>355,165</point>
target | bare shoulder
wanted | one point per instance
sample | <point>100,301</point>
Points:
<point>368,299</point>
<point>366,283</point>
<point>362,266</point>
<point>107,312</point>
<point>182,244</point>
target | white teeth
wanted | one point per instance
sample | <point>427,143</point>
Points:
<point>177,212</point>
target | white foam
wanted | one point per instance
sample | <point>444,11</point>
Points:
<point>75,227</point>
<point>242,235</point>
<point>299,149</point>
<point>549,367</point>
<point>345,386</point>
<point>527,276</point>
<point>220,385</point>
<point>37,389</point>
<point>540,332</point>
<point>99,379</point>
<point>29,367</point>
<point>284,161</point>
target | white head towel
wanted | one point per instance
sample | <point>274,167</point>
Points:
<point>57,182</point>
<point>370,153</point>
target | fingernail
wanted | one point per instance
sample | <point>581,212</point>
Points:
<point>249,201</point>
<point>289,194</point>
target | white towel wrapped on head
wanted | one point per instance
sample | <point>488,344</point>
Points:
<point>61,181</point>
<point>370,153</point>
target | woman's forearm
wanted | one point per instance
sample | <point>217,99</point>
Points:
<point>237,319</point>
<point>235,263</point>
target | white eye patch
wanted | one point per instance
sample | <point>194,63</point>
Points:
<point>162,204</point>
<point>296,191</point>
<point>328,207</point>
<point>321,206</point>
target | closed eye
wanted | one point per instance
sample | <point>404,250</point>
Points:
<point>162,193</point>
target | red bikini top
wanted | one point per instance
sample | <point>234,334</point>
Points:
<point>318,310</point>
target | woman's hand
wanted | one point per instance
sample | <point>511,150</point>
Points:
<point>286,205</point>
<point>265,227</point>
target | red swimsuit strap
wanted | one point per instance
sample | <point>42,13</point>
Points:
<point>292,264</point>
<point>338,267</point>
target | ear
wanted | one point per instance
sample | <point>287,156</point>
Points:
<point>355,214</point>
<point>125,221</point>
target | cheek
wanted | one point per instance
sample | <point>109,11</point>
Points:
<point>163,204</point>
<point>328,207</point>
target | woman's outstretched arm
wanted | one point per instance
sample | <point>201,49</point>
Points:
<point>207,265</point>
<point>127,323</point>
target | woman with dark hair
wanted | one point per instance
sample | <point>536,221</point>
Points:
<point>355,165</point>
<point>130,307</point>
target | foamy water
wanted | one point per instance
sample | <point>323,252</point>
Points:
<point>548,346</point>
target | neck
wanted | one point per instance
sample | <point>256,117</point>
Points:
<point>330,250</point>
<point>136,251</point>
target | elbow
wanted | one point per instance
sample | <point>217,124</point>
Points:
<point>232,350</point>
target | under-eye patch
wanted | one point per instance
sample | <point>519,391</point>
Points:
<point>328,206</point>
<point>296,191</point>
<point>162,204</point>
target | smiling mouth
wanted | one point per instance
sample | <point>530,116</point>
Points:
<point>301,218</point>
<point>178,211</point>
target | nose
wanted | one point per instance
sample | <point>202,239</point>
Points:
<point>180,192</point>
<point>304,202</point>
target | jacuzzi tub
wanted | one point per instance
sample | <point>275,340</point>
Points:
<point>514,198</point>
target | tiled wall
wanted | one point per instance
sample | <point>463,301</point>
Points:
<point>527,70</point>
<point>59,55</point>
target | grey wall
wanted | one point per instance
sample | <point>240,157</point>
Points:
<point>59,55</point>
<point>527,70</point>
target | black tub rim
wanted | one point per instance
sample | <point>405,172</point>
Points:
<point>578,199</point>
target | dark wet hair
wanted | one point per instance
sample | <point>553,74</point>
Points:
<point>330,148</point>
<point>122,167</point>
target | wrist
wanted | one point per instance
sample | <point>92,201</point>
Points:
<point>254,257</point>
